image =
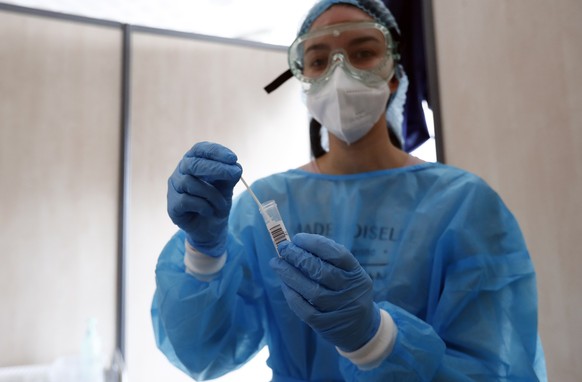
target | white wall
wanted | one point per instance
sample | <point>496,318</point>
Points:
<point>59,161</point>
<point>511,96</point>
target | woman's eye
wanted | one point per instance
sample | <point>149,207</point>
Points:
<point>317,63</point>
<point>364,54</point>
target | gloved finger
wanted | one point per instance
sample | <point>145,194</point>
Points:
<point>319,297</point>
<point>336,326</point>
<point>202,198</point>
<point>314,317</point>
<point>322,272</point>
<point>302,308</point>
<point>184,206</point>
<point>327,250</point>
<point>287,272</point>
<point>212,151</point>
<point>187,184</point>
<point>211,171</point>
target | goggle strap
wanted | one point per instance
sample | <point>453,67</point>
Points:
<point>278,81</point>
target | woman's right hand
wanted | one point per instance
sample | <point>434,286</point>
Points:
<point>200,195</point>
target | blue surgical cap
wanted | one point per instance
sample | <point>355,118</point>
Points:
<point>375,8</point>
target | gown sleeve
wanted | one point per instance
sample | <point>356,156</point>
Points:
<point>207,329</point>
<point>481,324</point>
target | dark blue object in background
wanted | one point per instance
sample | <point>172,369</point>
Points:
<point>408,14</point>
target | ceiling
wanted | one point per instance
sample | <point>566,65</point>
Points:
<point>266,21</point>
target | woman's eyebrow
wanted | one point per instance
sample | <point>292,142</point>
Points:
<point>320,46</point>
<point>363,39</point>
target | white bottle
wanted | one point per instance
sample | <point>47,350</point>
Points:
<point>91,356</point>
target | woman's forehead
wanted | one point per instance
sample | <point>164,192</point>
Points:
<point>340,13</point>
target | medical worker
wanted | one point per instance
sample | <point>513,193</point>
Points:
<point>397,270</point>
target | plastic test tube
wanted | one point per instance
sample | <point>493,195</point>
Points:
<point>272,219</point>
<point>274,223</point>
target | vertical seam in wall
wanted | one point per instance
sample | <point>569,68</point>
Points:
<point>124,185</point>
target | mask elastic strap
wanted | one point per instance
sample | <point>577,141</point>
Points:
<point>278,81</point>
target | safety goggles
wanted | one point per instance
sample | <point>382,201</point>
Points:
<point>364,49</point>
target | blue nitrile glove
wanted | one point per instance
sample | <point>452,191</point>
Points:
<point>200,195</point>
<point>327,288</point>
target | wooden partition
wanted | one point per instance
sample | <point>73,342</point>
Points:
<point>511,96</point>
<point>59,170</point>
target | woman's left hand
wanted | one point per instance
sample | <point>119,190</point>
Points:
<point>327,288</point>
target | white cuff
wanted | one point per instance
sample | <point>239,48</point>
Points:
<point>200,265</point>
<point>378,348</point>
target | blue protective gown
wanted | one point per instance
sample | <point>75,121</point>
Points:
<point>446,256</point>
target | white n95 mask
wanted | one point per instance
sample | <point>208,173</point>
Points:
<point>347,107</point>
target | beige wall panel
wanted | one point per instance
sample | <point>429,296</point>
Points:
<point>59,143</point>
<point>186,91</point>
<point>511,94</point>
